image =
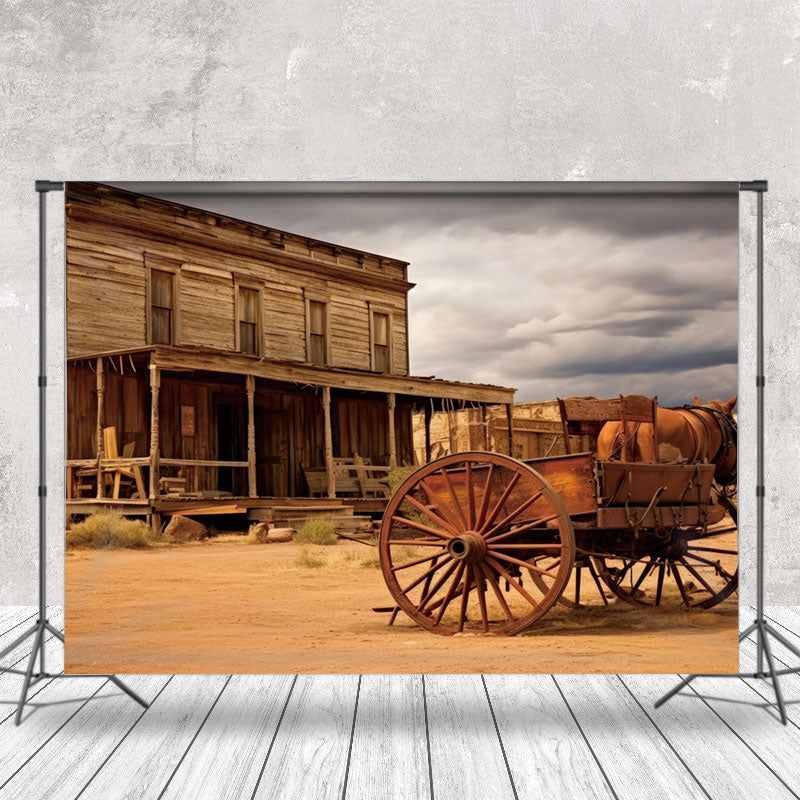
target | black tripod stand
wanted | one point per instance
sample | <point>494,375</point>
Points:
<point>761,626</point>
<point>42,626</point>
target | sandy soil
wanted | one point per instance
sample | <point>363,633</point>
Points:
<point>227,606</point>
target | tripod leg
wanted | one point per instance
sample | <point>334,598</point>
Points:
<point>783,640</point>
<point>747,631</point>
<point>37,643</point>
<point>685,682</point>
<point>128,691</point>
<point>17,642</point>
<point>775,683</point>
<point>57,633</point>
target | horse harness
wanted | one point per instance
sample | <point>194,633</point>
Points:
<point>729,436</point>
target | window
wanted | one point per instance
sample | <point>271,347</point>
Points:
<point>381,361</point>
<point>317,332</point>
<point>162,285</point>
<point>248,321</point>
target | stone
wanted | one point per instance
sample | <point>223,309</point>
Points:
<point>184,529</point>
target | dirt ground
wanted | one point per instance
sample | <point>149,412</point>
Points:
<point>226,606</point>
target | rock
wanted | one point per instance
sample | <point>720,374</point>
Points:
<point>281,535</point>
<point>183,529</point>
<point>261,533</point>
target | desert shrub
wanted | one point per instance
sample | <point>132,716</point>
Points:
<point>307,561</point>
<point>106,530</point>
<point>317,531</point>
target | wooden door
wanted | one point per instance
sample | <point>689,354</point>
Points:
<point>272,452</point>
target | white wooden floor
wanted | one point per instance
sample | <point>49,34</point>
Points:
<point>415,737</point>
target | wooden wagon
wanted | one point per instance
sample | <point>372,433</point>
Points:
<point>484,542</point>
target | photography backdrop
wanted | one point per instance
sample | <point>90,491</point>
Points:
<point>431,91</point>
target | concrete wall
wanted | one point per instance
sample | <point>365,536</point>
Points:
<point>214,89</point>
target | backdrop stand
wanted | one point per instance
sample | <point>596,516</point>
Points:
<point>761,626</point>
<point>42,625</point>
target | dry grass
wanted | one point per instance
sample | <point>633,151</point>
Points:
<point>308,561</point>
<point>111,531</point>
<point>317,531</point>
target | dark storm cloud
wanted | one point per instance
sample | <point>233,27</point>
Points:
<point>553,295</point>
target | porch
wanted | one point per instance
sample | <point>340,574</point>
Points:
<point>164,430</point>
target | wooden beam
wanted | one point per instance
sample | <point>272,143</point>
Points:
<point>101,421</point>
<point>390,406</point>
<point>509,417</point>
<point>251,437</point>
<point>427,410</point>
<point>326,416</point>
<point>155,447</point>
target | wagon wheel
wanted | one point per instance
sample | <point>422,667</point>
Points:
<point>547,562</point>
<point>473,522</point>
<point>703,569</point>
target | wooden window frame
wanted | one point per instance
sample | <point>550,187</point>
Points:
<point>374,309</point>
<point>318,297</point>
<point>175,271</point>
<point>259,290</point>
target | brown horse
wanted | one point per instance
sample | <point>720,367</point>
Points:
<point>702,432</point>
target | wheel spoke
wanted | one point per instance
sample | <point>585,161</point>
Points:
<point>478,577</point>
<point>513,515</point>
<point>678,580</point>
<point>715,550</point>
<point>422,577</point>
<point>645,573</point>
<point>413,563</point>
<point>521,563</point>
<point>439,582</point>
<point>487,493</point>
<point>662,568</point>
<point>528,526</point>
<point>412,523</point>
<point>597,583</point>
<point>470,497</point>
<point>462,616</point>
<point>723,572</point>
<point>435,517</point>
<point>454,499</point>
<point>556,548</point>
<point>501,502</point>
<point>699,577</point>
<point>434,499</point>
<point>492,581</point>
<point>418,542</point>
<point>512,582</point>
<point>450,592</point>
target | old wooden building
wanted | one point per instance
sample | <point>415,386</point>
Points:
<point>218,364</point>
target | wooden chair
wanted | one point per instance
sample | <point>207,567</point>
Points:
<point>369,482</point>
<point>116,477</point>
<point>317,480</point>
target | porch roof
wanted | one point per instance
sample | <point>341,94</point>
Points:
<point>184,359</point>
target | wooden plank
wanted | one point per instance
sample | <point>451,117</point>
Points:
<point>309,756</point>
<point>467,758</point>
<point>690,725</point>
<point>149,754</point>
<point>547,754</point>
<point>389,756</point>
<point>226,759</point>
<point>625,741</point>
<point>66,762</point>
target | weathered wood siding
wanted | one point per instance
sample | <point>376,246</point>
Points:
<point>113,237</point>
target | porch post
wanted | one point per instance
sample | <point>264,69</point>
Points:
<point>509,406</point>
<point>101,421</point>
<point>326,416</point>
<point>155,450</point>
<point>390,405</point>
<point>427,411</point>
<point>485,424</point>
<point>251,437</point>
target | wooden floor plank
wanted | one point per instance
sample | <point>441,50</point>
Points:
<point>64,765</point>
<point>631,749</point>
<point>389,756</point>
<point>467,758</point>
<point>309,755</point>
<point>691,725</point>
<point>141,765</point>
<point>226,758</point>
<point>546,751</point>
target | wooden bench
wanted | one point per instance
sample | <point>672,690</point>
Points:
<point>352,476</point>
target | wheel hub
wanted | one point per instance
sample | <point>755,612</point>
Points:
<point>470,546</point>
<point>677,548</point>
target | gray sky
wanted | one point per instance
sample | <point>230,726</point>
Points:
<point>558,296</point>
